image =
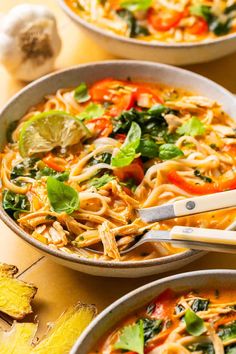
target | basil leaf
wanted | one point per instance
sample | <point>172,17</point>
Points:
<point>194,324</point>
<point>128,150</point>
<point>99,182</point>
<point>192,127</point>
<point>132,338</point>
<point>136,5</point>
<point>81,93</point>
<point>169,151</point>
<point>148,148</point>
<point>93,110</point>
<point>15,202</point>
<point>62,198</point>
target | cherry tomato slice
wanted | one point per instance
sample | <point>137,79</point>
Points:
<point>164,20</point>
<point>103,125</point>
<point>200,27</point>
<point>133,171</point>
<point>120,137</point>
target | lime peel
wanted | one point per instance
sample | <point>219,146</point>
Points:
<point>50,129</point>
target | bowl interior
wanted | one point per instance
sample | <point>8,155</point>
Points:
<point>144,71</point>
<point>225,279</point>
<point>138,42</point>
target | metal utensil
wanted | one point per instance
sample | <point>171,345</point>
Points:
<point>189,237</point>
<point>189,206</point>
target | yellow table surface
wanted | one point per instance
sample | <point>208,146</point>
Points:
<point>58,286</point>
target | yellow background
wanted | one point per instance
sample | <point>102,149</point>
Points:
<point>58,286</point>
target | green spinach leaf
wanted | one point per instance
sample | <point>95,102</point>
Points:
<point>151,327</point>
<point>62,197</point>
<point>25,168</point>
<point>200,305</point>
<point>204,348</point>
<point>12,202</point>
<point>201,11</point>
<point>134,29</point>
<point>47,171</point>
<point>102,158</point>
<point>227,332</point>
<point>99,182</point>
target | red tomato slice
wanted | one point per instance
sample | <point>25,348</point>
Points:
<point>200,27</point>
<point>120,137</point>
<point>133,171</point>
<point>103,125</point>
<point>122,103</point>
<point>101,88</point>
<point>101,92</point>
<point>162,304</point>
<point>164,20</point>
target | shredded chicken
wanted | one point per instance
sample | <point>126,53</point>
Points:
<point>108,241</point>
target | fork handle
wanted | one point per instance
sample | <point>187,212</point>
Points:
<point>204,239</point>
<point>205,203</point>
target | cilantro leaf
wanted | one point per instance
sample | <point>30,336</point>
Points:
<point>93,110</point>
<point>81,93</point>
<point>169,151</point>
<point>132,338</point>
<point>127,151</point>
<point>192,127</point>
<point>99,182</point>
<point>194,324</point>
<point>136,5</point>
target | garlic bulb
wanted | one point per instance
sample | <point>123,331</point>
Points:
<point>29,41</point>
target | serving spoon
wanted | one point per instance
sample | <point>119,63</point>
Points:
<point>188,237</point>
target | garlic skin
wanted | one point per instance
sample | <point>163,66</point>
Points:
<point>29,41</point>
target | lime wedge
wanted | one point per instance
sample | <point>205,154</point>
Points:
<point>48,130</point>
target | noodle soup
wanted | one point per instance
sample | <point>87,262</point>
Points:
<point>79,164</point>
<point>200,322</point>
<point>185,21</point>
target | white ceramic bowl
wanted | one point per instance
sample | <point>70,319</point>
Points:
<point>149,72</point>
<point>131,302</point>
<point>175,54</point>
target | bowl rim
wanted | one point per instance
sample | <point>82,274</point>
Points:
<point>144,288</point>
<point>74,259</point>
<point>126,40</point>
